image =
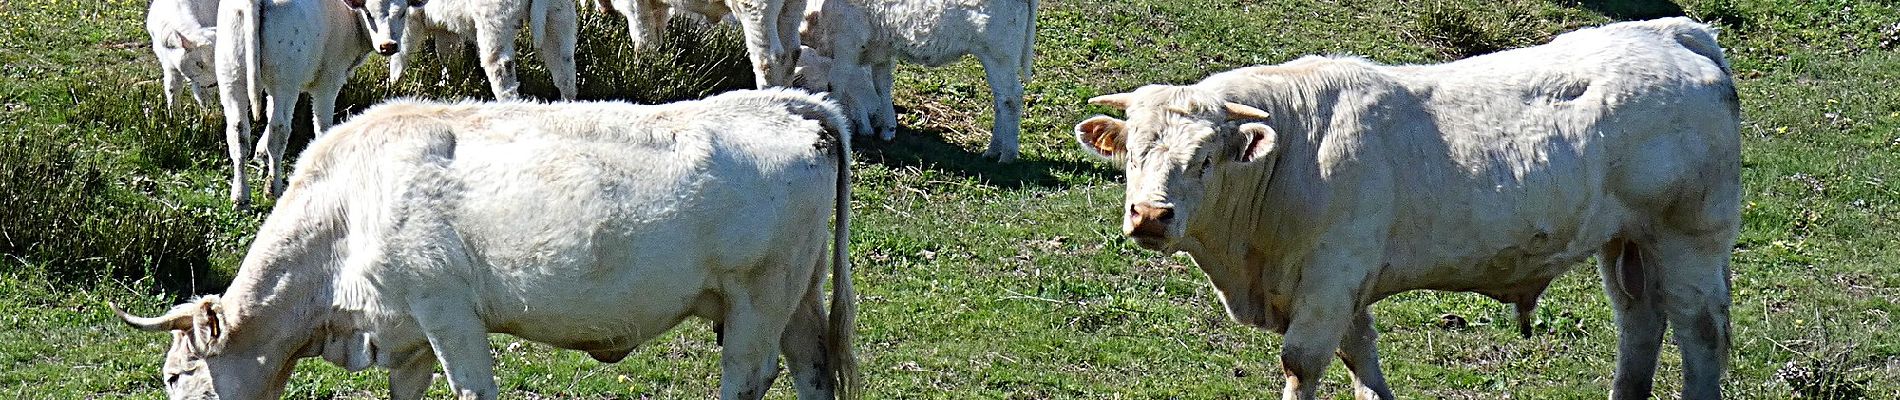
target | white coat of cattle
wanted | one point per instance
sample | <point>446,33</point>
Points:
<point>268,53</point>
<point>1493,174</point>
<point>399,26</point>
<point>182,35</point>
<point>415,229</point>
<point>863,38</point>
<point>770,28</point>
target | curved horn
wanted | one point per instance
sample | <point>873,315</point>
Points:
<point>171,321</point>
<point>1243,111</point>
<point>1118,100</point>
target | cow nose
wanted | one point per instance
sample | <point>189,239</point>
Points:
<point>1149,219</point>
<point>386,48</point>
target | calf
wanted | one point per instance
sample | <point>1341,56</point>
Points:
<point>492,25</point>
<point>268,53</point>
<point>1494,174</point>
<point>863,37</point>
<point>417,228</point>
<point>182,32</point>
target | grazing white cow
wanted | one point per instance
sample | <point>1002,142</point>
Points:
<point>182,33</point>
<point>862,38</point>
<point>770,28</point>
<point>414,230</point>
<point>1493,174</point>
<point>268,53</point>
<point>491,24</point>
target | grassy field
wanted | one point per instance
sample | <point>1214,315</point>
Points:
<point>994,281</point>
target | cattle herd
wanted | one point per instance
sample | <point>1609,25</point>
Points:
<point>1305,191</point>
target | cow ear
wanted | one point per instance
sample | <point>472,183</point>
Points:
<point>1258,141</point>
<point>1102,135</point>
<point>177,40</point>
<point>1118,100</point>
<point>208,328</point>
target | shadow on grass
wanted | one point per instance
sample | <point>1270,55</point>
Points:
<point>927,149</point>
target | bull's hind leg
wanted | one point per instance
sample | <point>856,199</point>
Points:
<point>1360,351</point>
<point>885,118</point>
<point>281,107</point>
<point>749,360</point>
<point>1695,297</point>
<point>806,354</point>
<point>1628,279</point>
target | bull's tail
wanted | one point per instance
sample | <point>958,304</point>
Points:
<point>1023,69</point>
<point>253,88</point>
<point>844,307</point>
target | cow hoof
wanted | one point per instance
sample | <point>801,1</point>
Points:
<point>1000,156</point>
<point>887,134</point>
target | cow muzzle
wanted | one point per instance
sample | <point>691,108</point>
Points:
<point>388,48</point>
<point>1148,222</point>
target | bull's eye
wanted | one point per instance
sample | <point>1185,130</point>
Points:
<point>172,379</point>
<point>1207,165</point>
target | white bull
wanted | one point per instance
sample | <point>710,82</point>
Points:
<point>1493,175</point>
<point>414,230</point>
<point>268,53</point>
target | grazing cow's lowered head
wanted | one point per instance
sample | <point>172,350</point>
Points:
<point>1176,143</point>
<point>384,20</point>
<point>209,359</point>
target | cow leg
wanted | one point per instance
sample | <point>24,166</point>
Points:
<point>806,354</point>
<point>1639,318</point>
<point>556,42</point>
<point>281,106</point>
<point>1695,295</point>
<point>237,140</point>
<point>410,376</point>
<point>497,48</point>
<point>411,41</point>
<point>788,18</point>
<point>1359,350</point>
<point>1006,93</point>
<point>323,94</point>
<point>749,361</point>
<point>1314,331</point>
<point>886,118</point>
<point>461,345</point>
<point>761,42</point>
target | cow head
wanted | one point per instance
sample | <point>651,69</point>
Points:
<point>193,54</point>
<point>209,360</point>
<point>1174,146</point>
<point>384,19</point>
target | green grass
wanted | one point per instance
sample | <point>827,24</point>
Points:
<point>983,280</point>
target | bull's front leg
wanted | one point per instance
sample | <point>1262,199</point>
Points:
<point>1314,331</point>
<point>460,342</point>
<point>412,372</point>
<point>1359,350</point>
<point>1006,92</point>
